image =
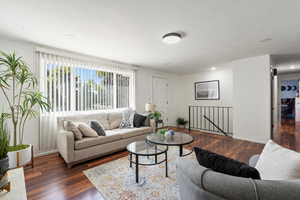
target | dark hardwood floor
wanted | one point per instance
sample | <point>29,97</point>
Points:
<point>50,179</point>
<point>287,134</point>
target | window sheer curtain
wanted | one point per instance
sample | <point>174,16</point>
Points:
<point>74,86</point>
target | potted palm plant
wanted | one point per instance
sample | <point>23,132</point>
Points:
<point>19,87</point>
<point>4,141</point>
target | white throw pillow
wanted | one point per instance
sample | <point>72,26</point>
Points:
<point>127,118</point>
<point>278,163</point>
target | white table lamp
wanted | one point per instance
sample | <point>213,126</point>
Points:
<point>149,107</point>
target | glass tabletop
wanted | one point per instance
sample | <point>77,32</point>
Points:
<point>146,149</point>
<point>176,139</point>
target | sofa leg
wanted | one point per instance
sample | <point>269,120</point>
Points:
<point>69,165</point>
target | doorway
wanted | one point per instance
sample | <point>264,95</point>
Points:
<point>286,110</point>
<point>160,96</point>
<point>288,95</point>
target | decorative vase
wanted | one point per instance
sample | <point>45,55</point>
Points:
<point>20,158</point>
<point>168,134</point>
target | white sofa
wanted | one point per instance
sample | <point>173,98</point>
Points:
<point>116,139</point>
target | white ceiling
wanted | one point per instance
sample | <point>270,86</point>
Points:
<point>130,31</point>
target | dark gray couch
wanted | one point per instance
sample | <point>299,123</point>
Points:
<point>199,183</point>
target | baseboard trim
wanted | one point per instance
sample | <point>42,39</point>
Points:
<point>46,153</point>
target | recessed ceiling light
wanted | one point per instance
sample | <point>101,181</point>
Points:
<point>213,68</point>
<point>171,38</point>
<point>292,67</point>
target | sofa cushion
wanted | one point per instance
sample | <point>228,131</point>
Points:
<point>130,132</point>
<point>225,165</point>
<point>114,119</point>
<point>93,141</point>
<point>278,163</point>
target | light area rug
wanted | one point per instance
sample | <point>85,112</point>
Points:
<point>116,180</point>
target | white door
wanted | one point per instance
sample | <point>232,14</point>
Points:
<point>160,96</point>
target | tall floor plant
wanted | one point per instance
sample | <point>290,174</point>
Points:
<point>19,87</point>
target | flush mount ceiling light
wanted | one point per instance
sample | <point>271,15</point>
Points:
<point>213,68</point>
<point>171,38</point>
<point>292,67</point>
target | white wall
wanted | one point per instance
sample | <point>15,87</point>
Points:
<point>144,91</point>
<point>252,99</point>
<point>186,93</point>
<point>245,86</point>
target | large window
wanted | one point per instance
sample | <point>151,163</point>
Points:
<point>76,86</point>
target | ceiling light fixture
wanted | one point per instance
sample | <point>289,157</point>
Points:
<point>292,67</point>
<point>213,68</point>
<point>171,38</point>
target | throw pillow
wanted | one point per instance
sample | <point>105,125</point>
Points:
<point>138,120</point>
<point>87,131</point>
<point>125,124</point>
<point>96,126</point>
<point>127,118</point>
<point>74,129</point>
<point>225,165</point>
<point>278,163</point>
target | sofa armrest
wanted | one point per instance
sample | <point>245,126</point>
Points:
<point>213,186</point>
<point>65,145</point>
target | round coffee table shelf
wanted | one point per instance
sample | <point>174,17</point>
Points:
<point>142,148</point>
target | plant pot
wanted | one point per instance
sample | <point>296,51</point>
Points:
<point>3,166</point>
<point>20,158</point>
<point>181,126</point>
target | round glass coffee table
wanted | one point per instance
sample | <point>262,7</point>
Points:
<point>142,148</point>
<point>178,139</point>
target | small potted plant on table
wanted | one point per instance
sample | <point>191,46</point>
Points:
<point>156,117</point>
<point>19,87</point>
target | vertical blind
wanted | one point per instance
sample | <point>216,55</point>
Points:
<point>72,85</point>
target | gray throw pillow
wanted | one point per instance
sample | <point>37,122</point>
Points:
<point>96,126</point>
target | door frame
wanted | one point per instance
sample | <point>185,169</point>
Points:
<point>152,91</point>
